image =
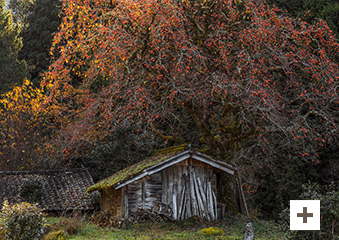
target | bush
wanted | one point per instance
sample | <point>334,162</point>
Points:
<point>71,225</point>
<point>22,221</point>
<point>31,189</point>
<point>278,182</point>
<point>329,213</point>
<point>57,235</point>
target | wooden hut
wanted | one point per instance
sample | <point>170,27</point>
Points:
<point>181,185</point>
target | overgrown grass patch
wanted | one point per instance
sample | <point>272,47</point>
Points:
<point>232,226</point>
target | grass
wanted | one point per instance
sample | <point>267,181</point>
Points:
<point>232,226</point>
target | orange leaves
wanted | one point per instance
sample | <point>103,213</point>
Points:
<point>22,123</point>
<point>22,99</point>
<point>134,60</point>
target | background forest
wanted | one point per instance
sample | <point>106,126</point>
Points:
<point>105,84</point>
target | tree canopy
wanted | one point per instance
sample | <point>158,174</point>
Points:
<point>42,22</point>
<point>253,81</point>
<point>12,70</point>
<point>311,10</point>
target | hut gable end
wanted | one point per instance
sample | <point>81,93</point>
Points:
<point>154,165</point>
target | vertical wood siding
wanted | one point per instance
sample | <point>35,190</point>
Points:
<point>144,193</point>
<point>187,188</point>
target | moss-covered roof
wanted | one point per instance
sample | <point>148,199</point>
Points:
<point>137,168</point>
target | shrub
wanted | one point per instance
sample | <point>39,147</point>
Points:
<point>71,225</point>
<point>22,221</point>
<point>329,213</point>
<point>211,231</point>
<point>57,235</point>
<point>31,189</point>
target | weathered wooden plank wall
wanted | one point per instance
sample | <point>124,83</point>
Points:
<point>124,202</point>
<point>144,193</point>
<point>187,188</point>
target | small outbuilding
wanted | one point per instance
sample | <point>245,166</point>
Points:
<point>180,185</point>
<point>61,190</point>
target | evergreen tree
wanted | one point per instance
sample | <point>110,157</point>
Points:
<point>331,15</point>
<point>12,70</point>
<point>21,9</point>
<point>37,38</point>
<point>312,10</point>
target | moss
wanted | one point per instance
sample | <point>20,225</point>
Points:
<point>132,170</point>
<point>211,231</point>
<point>46,228</point>
<point>57,235</point>
<point>173,149</point>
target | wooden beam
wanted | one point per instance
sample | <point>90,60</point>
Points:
<point>195,153</point>
<point>213,164</point>
<point>146,172</point>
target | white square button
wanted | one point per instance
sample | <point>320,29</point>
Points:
<point>304,214</point>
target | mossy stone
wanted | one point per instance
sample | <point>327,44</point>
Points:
<point>211,231</point>
<point>57,235</point>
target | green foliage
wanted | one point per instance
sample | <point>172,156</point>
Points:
<point>330,13</point>
<point>31,189</point>
<point>42,22</point>
<point>329,211</point>
<point>292,6</point>
<point>211,231</point>
<point>57,235</point>
<point>22,221</point>
<point>312,10</point>
<point>277,183</point>
<point>12,70</point>
<point>121,149</point>
<point>21,9</point>
<point>175,230</point>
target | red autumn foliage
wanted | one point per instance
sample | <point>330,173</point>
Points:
<point>251,79</point>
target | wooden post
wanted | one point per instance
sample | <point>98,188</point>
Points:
<point>210,198</point>
<point>174,201</point>
<point>124,202</point>
<point>203,196</point>
<point>143,194</point>
<point>242,194</point>
<point>199,198</point>
<point>215,204</point>
<point>188,200</point>
<point>195,209</point>
<point>182,203</point>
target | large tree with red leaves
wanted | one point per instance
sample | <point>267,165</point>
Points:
<point>251,80</point>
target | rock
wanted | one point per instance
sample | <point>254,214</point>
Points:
<point>248,232</point>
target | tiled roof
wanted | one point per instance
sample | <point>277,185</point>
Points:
<point>63,189</point>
